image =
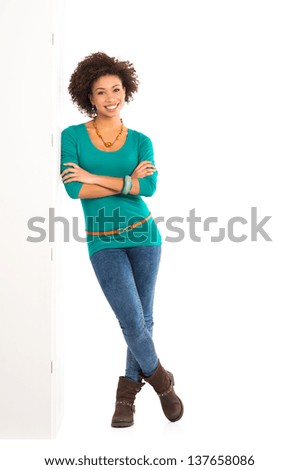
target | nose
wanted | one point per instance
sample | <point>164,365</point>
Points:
<point>109,97</point>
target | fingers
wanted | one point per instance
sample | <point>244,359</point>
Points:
<point>68,178</point>
<point>67,174</point>
<point>68,171</point>
<point>145,168</point>
<point>72,164</point>
<point>145,164</point>
<point>70,174</point>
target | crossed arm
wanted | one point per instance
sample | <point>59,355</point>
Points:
<point>96,186</point>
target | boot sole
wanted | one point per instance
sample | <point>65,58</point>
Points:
<point>121,425</point>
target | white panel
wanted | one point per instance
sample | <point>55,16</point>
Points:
<point>28,168</point>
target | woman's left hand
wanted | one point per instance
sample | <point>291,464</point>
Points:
<point>77,174</point>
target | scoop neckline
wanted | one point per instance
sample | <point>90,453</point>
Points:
<point>103,151</point>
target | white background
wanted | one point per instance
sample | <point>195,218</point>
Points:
<point>219,98</point>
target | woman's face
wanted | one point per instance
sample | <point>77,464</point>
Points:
<point>108,95</point>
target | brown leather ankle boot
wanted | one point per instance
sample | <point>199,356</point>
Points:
<point>163,381</point>
<point>124,405</point>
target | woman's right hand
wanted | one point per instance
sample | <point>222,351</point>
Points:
<point>143,169</point>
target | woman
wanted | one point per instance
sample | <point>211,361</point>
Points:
<point>109,167</point>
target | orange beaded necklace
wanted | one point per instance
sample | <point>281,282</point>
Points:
<point>108,144</point>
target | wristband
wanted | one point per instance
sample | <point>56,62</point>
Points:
<point>127,184</point>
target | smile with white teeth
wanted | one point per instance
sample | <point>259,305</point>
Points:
<point>112,106</point>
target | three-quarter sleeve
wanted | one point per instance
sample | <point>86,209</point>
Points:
<point>69,154</point>
<point>146,152</point>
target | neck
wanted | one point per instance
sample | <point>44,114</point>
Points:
<point>106,122</point>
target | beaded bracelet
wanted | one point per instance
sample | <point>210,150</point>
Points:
<point>127,184</point>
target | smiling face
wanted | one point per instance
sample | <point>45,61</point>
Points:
<point>108,95</point>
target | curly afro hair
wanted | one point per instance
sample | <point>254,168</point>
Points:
<point>93,67</point>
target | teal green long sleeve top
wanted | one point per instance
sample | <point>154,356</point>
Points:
<point>118,211</point>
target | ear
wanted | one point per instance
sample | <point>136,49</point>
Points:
<point>90,99</point>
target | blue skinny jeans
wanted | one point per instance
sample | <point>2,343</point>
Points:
<point>127,277</point>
